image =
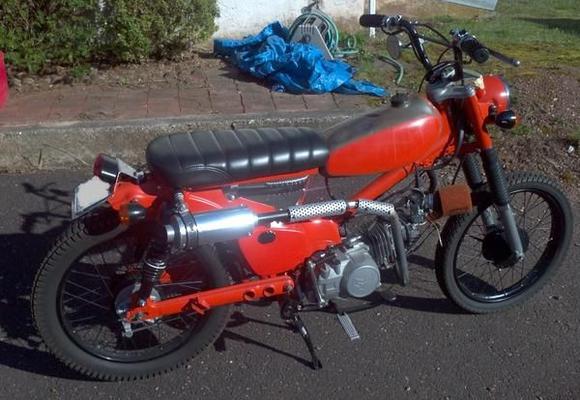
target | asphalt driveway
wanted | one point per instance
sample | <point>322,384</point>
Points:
<point>420,346</point>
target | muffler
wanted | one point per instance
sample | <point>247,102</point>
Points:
<point>186,231</point>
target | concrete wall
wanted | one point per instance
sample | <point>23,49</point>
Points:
<point>244,17</point>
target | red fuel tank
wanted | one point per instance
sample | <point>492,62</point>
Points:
<point>403,133</point>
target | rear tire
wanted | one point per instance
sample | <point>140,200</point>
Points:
<point>50,310</point>
<point>469,289</point>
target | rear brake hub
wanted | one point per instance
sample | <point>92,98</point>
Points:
<point>124,302</point>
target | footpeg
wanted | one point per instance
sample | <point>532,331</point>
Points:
<point>348,326</point>
<point>386,294</point>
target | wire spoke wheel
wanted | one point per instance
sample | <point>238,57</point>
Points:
<point>479,269</point>
<point>91,272</point>
<point>474,265</point>
<point>94,285</point>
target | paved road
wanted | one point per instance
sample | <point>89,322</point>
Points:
<point>419,347</point>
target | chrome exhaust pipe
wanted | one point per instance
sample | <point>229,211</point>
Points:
<point>186,231</point>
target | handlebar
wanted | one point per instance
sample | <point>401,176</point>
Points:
<point>462,40</point>
<point>504,58</point>
<point>390,23</point>
<point>472,47</point>
<point>372,20</point>
<point>478,52</point>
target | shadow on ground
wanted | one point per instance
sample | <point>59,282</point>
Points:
<point>20,346</point>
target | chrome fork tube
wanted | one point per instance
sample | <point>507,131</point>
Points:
<point>476,182</point>
<point>499,190</point>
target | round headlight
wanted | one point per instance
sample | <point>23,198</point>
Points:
<point>506,94</point>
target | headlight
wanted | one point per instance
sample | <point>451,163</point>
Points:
<point>496,92</point>
<point>506,93</point>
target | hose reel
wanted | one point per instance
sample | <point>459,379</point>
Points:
<point>317,28</point>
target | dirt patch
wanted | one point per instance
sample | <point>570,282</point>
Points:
<point>184,71</point>
<point>548,137</point>
<point>548,101</point>
<point>549,156</point>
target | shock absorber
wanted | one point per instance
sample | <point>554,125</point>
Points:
<point>155,262</point>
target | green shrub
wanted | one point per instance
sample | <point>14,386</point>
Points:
<point>36,33</point>
<point>135,29</point>
<point>40,33</point>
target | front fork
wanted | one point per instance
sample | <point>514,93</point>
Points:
<point>500,195</point>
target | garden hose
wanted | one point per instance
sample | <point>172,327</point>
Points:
<point>331,36</point>
<point>398,66</point>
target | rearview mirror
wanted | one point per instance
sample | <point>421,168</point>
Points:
<point>394,47</point>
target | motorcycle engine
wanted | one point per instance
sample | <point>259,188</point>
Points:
<point>354,268</point>
<point>349,271</point>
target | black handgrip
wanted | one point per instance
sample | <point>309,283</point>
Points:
<point>372,20</point>
<point>504,58</point>
<point>471,46</point>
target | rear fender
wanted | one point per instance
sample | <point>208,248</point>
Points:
<point>148,193</point>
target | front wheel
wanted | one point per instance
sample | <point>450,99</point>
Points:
<point>472,265</point>
<point>92,269</point>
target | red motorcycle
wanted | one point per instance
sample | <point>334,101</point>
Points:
<point>145,276</point>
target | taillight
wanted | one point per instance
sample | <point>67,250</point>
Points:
<point>106,168</point>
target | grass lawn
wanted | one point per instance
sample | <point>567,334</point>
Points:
<point>543,35</point>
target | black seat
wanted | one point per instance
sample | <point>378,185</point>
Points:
<point>218,157</point>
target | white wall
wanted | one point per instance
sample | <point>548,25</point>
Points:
<point>245,17</point>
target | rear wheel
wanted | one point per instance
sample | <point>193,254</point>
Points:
<point>473,266</point>
<point>91,271</point>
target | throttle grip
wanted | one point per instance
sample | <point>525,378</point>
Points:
<point>372,20</point>
<point>474,49</point>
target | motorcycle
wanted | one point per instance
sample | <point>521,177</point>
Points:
<point>144,277</point>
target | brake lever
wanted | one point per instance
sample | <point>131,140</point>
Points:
<point>504,58</point>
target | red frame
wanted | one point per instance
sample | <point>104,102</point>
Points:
<point>274,262</point>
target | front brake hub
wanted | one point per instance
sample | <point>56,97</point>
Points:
<point>496,249</point>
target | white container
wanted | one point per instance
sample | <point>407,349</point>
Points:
<point>484,4</point>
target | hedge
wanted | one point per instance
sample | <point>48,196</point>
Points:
<point>38,34</point>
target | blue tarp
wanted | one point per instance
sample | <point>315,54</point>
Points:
<point>290,66</point>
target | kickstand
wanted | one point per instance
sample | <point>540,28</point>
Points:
<point>289,313</point>
<point>301,328</point>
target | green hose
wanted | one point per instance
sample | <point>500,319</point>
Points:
<point>397,65</point>
<point>332,35</point>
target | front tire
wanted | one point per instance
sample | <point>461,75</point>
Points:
<point>74,300</point>
<point>470,265</point>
